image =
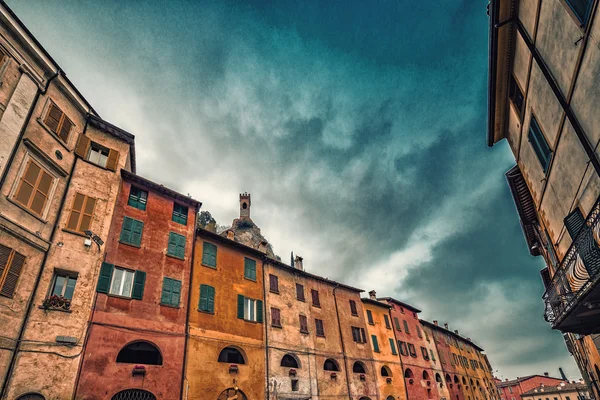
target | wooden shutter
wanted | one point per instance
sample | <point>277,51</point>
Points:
<point>315,298</point>
<point>303,323</point>
<point>353,308</point>
<point>319,327</point>
<point>211,299</point>
<point>387,321</point>
<point>65,129</point>
<point>167,288</point>
<point>259,311</point>
<point>40,197</point>
<point>419,334</point>
<point>53,118</point>
<point>172,247</point>
<point>126,230</point>
<point>175,293</point>
<point>75,216</point>
<point>393,346</point>
<point>203,302</point>
<point>375,344</point>
<point>105,277</point>
<point>273,283</point>
<point>370,317</point>
<point>181,246</point>
<point>11,265</point>
<point>34,188</point>
<point>139,281</point>
<point>136,233</point>
<point>574,222</point>
<point>209,254</point>
<point>299,292</point>
<point>363,336</point>
<point>397,323</point>
<point>250,269</point>
<point>406,326</point>
<point>240,305</point>
<point>82,213</point>
<point>112,160</point>
<point>354,333</point>
<point>83,146</point>
<point>275,317</point>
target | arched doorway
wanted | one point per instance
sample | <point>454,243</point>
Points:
<point>134,394</point>
<point>31,396</point>
<point>232,394</point>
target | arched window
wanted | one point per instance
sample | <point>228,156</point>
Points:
<point>471,380</point>
<point>464,381</point>
<point>140,353</point>
<point>408,373</point>
<point>390,398</point>
<point>331,365</point>
<point>231,355</point>
<point>448,379</point>
<point>137,394</point>
<point>386,371</point>
<point>365,398</point>
<point>478,384</point>
<point>425,375</point>
<point>456,379</point>
<point>289,361</point>
<point>359,368</point>
<point>438,377</point>
<point>31,396</point>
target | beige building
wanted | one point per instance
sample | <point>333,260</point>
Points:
<point>562,391</point>
<point>59,179</point>
<point>543,96</point>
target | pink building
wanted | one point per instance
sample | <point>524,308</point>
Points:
<point>512,390</point>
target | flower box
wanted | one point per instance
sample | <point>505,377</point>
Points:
<point>138,370</point>
<point>388,380</point>
<point>292,372</point>
<point>56,302</point>
<point>234,368</point>
<point>333,375</point>
<point>411,381</point>
<point>362,377</point>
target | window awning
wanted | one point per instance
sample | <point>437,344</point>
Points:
<point>525,207</point>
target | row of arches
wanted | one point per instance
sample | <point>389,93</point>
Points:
<point>409,374</point>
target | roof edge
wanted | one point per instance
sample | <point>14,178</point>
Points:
<point>131,177</point>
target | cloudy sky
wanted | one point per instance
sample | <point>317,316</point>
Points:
<point>358,129</point>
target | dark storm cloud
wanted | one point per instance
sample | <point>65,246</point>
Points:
<point>358,129</point>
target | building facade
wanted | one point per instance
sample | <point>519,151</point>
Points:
<point>562,391</point>
<point>543,88</point>
<point>514,389</point>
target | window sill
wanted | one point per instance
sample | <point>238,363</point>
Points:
<point>27,210</point>
<point>354,315</point>
<point>175,257</point>
<point>209,266</point>
<point>376,351</point>
<point>316,305</point>
<point>118,296</point>
<point>170,306</point>
<point>252,322</point>
<point>206,312</point>
<point>54,135</point>
<point>302,300</point>
<point>372,323</point>
<point>130,244</point>
<point>274,291</point>
<point>304,332</point>
<point>320,336</point>
<point>249,279</point>
<point>96,165</point>
<point>55,309</point>
<point>137,208</point>
<point>72,232</point>
<point>180,223</point>
<point>276,326</point>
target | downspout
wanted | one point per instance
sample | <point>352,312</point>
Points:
<point>268,387</point>
<point>38,278</point>
<point>337,313</point>
<point>399,353</point>
<point>492,61</point>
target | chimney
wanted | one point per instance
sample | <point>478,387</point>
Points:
<point>373,295</point>
<point>230,234</point>
<point>456,331</point>
<point>546,374</point>
<point>435,322</point>
<point>211,226</point>
<point>262,247</point>
<point>298,263</point>
<point>469,339</point>
<point>244,205</point>
<point>446,326</point>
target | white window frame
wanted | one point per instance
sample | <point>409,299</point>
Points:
<point>88,156</point>
<point>121,286</point>
<point>249,309</point>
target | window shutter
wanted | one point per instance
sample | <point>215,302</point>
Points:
<point>203,302</point>
<point>362,334</point>
<point>273,283</point>
<point>419,334</point>
<point>106,272</point>
<point>53,118</point>
<point>299,292</point>
<point>353,308</point>
<point>259,311</point>
<point>303,323</point>
<point>181,246</point>
<point>370,317</point>
<point>65,129</point>
<point>275,317</point>
<point>139,281</point>
<point>165,298</point>
<point>172,248</point>
<point>240,303</point>
<point>315,298</point>
<point>211,299</point>
<point>250,268</point>
<point>375,344</point>
<point>319,327</point>
<point>209,254</point>
<point>136,233</point>
<point>112,160</point>
<point>175,293</point>
<point>83,146</point>
<point>12,276</point>
<point>397,323</point>
<point>393,346</point>
<point>574,222</point>
<point>406,326</point>
<point>76,211</point>
<point>126,230</point>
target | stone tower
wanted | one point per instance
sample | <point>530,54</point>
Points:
<point>244,205</point>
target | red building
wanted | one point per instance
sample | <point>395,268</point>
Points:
<point>512,390</point>
<point>136,341</point>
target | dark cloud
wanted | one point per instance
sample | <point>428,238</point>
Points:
<point>358,129</point>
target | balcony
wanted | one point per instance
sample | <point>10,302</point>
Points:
<point>573,296</point>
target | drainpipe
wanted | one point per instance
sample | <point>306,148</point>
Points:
<point>494,7</point>
<point>268,388</point>
<point>399,354</point>
<point>337,313</point>
<point>38,278</point>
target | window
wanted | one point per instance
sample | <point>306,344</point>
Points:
<point>319,327</point>
<point>63,284</point>
<point>295,386</point>
<point>299,292</point>
<point>249,269</point>
<point>387,321</point>
<point>581,9</point>
<point>510,389</point>
<point>82,212</point>
<point>137,198</point>
<point>397,323</point>
<point>131,231</point>
<point>408,373</point>
<point>375,344</point>
<point>98,154</point>
<point>358,335</point>
<point>432,355</point>
<point>289,361</point>
<point>303,323</point>
<point>171,292</point>
<point>424,353</point>
<point>34,188</point>
<point>315,298</point>
<point>176,246</point>
<point>419,334</point>
<point>370,317</point>
<point>353,309</point>
<point>539,143</point>
<point>393,347</point>
<point>11,264</point>
<point>574,222</point>
<point>121,282</point>
<point>273,283</point>
<point>331,365</point>
<point>180,213</point>
<point>275,317</point>
<point>438,378</point>
<point>385,371</point>
<point>406,326</point>
<point>207,299</point>
<point>425,375</point>
<point>358,368</point>
<point>426,335</point>
<point>402,347</point>
<point>249,309</point>
<point>209,255</point>
<point>231,355</point>
<point>516,96</point>
<point>140,353</point>
<point>412,350</point>
<point>401,310</point>
<point>58,122</point>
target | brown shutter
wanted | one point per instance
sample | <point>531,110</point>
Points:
<point>315,298</point>
<point>88,212</point>
<point>299,292</point>
<point>83,146</point>
<point>41,193</point>
<point>273,283</point>
<point>53,118</point>
<point>303,323</point>
<point>113,160</point>
<point>5,253</point>
<point>65,129</point>
<point>12,275</point>
<point>275,317</point>
<point>75,216</point>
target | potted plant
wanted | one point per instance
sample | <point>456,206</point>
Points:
<point>333,375</point>
<point>55,302</point>
<point>292,372</point>
<point>138,370</point>
<point>233,368</point>
<point>411,381</point>
<point>388,380</point>
<point>362,377</point>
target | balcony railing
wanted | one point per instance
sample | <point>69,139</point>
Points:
<point>578,272</point>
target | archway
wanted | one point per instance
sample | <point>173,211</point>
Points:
<point>425,375</point>
<point>134,394</point>
<point>408,373</point>
<point>456,379</point>
<point>290,361</point>
<point>140,352</point>
<point>231,355</point>
<point>359,368</point>
<point>331,365</point>
<point>232,394</point>
<point>385,371</point>
<point>31,396</point>
<point>438,377</point>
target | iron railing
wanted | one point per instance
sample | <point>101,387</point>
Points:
<point>578,271</point>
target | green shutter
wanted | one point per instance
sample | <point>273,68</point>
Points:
<point>397,324</point>
<point>375,344</point>
<point>180,246</point>
<point>209,254</point>
<point>393,346</point>
<point>250,269</point>
<point>203,303</point>
<point>165,297</point>
<point>176,245</point>
<point>175,293</point>
<point>387,321</point>
<point>126,230</point>
<point>172,248</point>
<point>211,299</point>
<point>139,281</point>
<point>136,234</point>
<point>240,306</point>
<point>370,317</point>
<point>105,276</point>
<point>259,311</point>
<point>131,232</point>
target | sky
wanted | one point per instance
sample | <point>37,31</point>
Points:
<point>359,128</point>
